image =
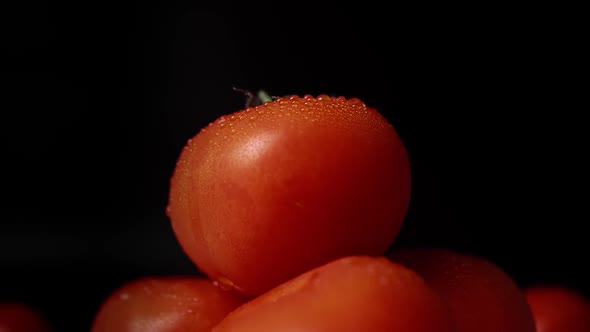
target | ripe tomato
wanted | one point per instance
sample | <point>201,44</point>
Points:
<point>558,309</point>
<point>20,317</point>
<point>356,293</point>
<point>264,194</point>
<point>482,297</point>
<point>165,304</point>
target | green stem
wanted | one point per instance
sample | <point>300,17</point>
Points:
<point>264,97</point>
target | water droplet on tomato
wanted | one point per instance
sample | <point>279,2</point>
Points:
<point>224,283</point>
<point>357,103</point>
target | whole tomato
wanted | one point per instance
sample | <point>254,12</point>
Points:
<point>269,192</point>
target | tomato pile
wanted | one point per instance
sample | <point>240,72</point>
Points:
<point>288,208</point>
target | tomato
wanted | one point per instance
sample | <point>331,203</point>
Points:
<point>264,194</point>
<point>356,293</point>
<point>21,317</point>
<point>482,296</point>
<point>558,309</point>
<point>165,304</point>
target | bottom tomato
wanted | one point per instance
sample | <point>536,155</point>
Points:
<point>482,297</point>
<point>558,309</point>
<point>19,317</point>
<point>351,294</point>
<point>165,304</point>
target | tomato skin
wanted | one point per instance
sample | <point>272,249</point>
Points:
<point>277,181</point>
<point>356,293</point>
<point>20,317</point>
<point>482,296</point>
<point>558,309</point>
<point>165,304</point>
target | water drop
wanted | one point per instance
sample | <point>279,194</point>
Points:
<point>357,103</point>
<point>224,283</point>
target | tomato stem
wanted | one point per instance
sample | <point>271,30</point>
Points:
<point>264,97</point>
<point>254,100</point>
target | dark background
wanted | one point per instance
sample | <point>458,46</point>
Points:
<point>97,101</point>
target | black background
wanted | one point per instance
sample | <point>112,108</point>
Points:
<point>97,100</point>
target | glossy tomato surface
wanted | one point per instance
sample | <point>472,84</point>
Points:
<point>351,294</point>
<point>165,304</point>
<point>264,194</point>
<point>481,295</point>
<point>20,317</point>
<point>558,309</point>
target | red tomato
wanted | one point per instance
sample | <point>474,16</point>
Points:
<point>20,317</point>
<point>165,304</point>
<point>269,192</point>
<point>351,294</point>
<point>558,309</point>
<point>482,297</point>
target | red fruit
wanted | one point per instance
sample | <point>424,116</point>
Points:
<point>165,304</point>
<point>20,317</point>
<point>558,309</point>
<point>482,297</point>
<point>350,294</point>
<point>272,191</point>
